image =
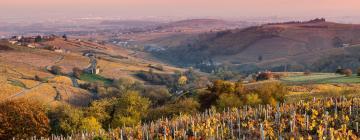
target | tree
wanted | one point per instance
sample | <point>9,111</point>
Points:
<point>228,100</point>
<point>264,76</point>
<point>90,124</point>
<point>77,72</point>
<point>187,106</point>
<point>56,70</point>
<point>65,37</point>
<point>65,119</point>
<point>23,119</point>
<point>182,80</point>
<point>157,95</point>
<point>274,90</point>
<point>38,38</point>
<point>253,99</point>
<point>101,110</point>
<point>358,72</point>
<point>129,109</point>
<point>348,72</point>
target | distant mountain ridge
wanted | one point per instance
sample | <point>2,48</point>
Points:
<point>299,44</point>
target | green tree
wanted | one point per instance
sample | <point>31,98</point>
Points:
<point>56,70</point>
<point>65,119</point>
<point>129,109</point>
<point>228,100</point>
<point>101,110</point>
<point>253,99</point>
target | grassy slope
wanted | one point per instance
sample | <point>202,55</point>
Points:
<point>19,65</point>
<point>320,78</point>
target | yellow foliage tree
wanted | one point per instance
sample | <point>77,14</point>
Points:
<point>90,124</point>
<point>182,80</point>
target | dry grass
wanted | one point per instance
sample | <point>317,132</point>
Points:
<point>61,80</point>
<point>28,83</point>
<point>7,90</point>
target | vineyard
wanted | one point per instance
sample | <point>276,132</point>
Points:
<point>330,118</point>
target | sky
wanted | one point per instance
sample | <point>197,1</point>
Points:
<point>178,8</point>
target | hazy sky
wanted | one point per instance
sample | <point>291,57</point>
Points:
<point>183,8</point>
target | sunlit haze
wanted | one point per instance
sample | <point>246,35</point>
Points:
<point>179,8</point>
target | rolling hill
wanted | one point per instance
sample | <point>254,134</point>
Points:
<point>174,33</point>
<point>24,71</point>
<point>297,45</point>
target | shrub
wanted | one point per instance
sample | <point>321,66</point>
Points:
<point>187,106</point>
<point>253,99</point>
<point>228,100</point>
<point>77,72</point>
<point>65,119</point>
<point>56,70</point>
<point>339,70</point>
<point>90,124</point>
<point>23,119</point>
<point>129,109</point>
<point>264,76</point>
<point>347,72</point>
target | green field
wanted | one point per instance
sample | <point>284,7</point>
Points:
<point>95,78</point>
<point>320,78</point>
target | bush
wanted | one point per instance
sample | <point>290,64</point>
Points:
<point>224,93</point>
<point>23,119</point>
<point>77,72</point>
<point>56,70</point>
<point>347,72</point>
<point>264,76</point>
<point>228,100</point>
<point>90,124</point>
<point>187,106</point>
<point>358,72</point>
<point>65,120</point>
<point>129,109</point>
<point>253,99</point>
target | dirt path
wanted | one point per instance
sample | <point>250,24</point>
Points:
<point>22,92</point>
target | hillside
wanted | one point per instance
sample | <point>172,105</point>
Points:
<point>24,71</point>
<point>174,33</point>
<point>301,45</point>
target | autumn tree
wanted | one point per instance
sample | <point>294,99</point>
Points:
<point>22,119</point>
<point>187,106</point>
<point>101,110</point>
<point>65,119</point>
<point>90,124</point>
<point>129,109</point>
<point>253,99</point>
<point>228,100</point>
